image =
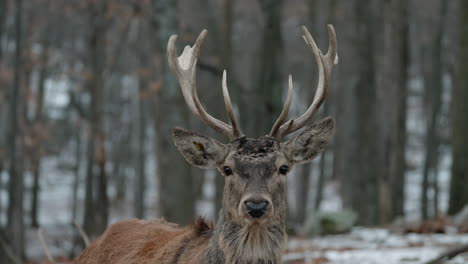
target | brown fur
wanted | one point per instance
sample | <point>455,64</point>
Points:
<point>155,241</point>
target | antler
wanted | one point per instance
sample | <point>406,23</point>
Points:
<point>325,64</point>
<point>185,67</point>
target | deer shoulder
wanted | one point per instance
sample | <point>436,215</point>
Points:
<point>146,241</point>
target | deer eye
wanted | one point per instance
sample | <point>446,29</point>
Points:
<point>283,169</point>
<point>227,171</point>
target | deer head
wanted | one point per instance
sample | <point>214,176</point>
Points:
<point>255,169</point>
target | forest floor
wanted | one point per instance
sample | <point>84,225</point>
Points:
<point>374,246</point>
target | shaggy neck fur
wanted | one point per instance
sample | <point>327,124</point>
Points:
<point>246,244</point>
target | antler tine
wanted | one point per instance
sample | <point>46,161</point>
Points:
<point>216,124</point>
<point>227,101</point>
<point>285,111</point>
<point>185,67</point>
<point>325,64</point>
<point>332,55</point>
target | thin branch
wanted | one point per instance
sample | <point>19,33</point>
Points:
<point>83,234</point>
<point>76,105</point>
<point>40,235</point>
<point>9,252</point>
<point>450,254</point>
<point>217,72</point>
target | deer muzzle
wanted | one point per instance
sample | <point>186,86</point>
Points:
<point>256,208</point>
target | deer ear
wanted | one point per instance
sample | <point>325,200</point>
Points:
<point>199,150</point>
<point>310,142</point>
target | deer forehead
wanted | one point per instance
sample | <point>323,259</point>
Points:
<point>256,169</point>
<point>255,157</point>
<point>255,148</point>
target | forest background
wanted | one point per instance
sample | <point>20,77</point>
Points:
<point>88,102</point>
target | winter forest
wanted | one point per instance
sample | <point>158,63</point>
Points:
<point>88,103</point>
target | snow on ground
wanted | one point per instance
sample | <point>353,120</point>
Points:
<point>374,246</point>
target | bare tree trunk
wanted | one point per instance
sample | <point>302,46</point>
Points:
<point>120,159</point>
<point>227,62</point>
<point>362,157</point>
<point>140,157</point>
<point>302,194</point>
<point>3,15</point>
<point>434,92</point>
<point>37,124</point>
<point>270,86</point>
<point>36,171</point>
<point>393,90</point>
<point>89,213</point>
<point>326,109</point>
<point>398,185</point>
<point>459,181</point>
<point>320,183</point>
<point>342,114</point>
<point>97,204</point>
<point>16,188</point>
<point>304,174</point>
<point>77,174</point>
<point>176,194</point>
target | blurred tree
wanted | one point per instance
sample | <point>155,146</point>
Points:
<point>3,97</point>
<point>228,65</point>
<point>304,173</point>
<point>459,180</point>
<point>96,201</point>
<point>15,227</point>
<point>176,195</point>
<point>362,157</point>
<point>139,200</point>
<point>332,9</point>
<point>3,16</point>
<point>343,93</point>
<point>269,77</point>
<point>37,127</point>
<point>36,121</point>
<point>140,133</point>
<point>393,91</point>
<point>78,139</point>
<point>433,76</point>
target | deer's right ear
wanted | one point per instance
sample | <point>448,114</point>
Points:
<point>310,142</point>
<point>201,151</point>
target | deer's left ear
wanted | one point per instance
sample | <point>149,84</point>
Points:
<point>310,142</point>
<point>201,151</point>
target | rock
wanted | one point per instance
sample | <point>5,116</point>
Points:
<point>337,222</point>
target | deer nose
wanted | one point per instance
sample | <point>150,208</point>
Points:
<point>256,208</point>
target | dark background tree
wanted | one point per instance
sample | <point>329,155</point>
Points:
<point>459,182</point>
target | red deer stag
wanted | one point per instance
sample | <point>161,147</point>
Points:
<point>251,227</point>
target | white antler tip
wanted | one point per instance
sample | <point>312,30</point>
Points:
<point>224,82</point>
<point>201,37</point>
<point>173,37</point>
